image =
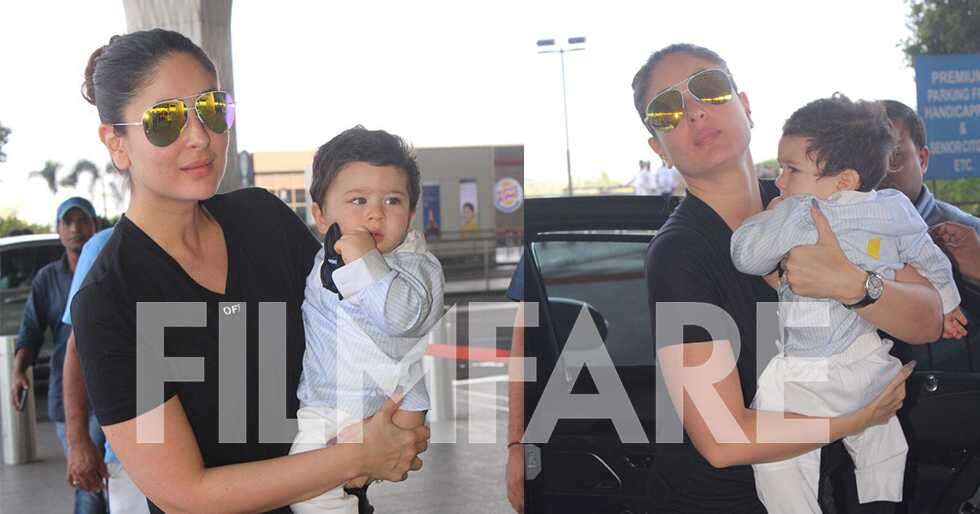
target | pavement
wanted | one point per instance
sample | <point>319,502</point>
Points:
<point>462,477</point>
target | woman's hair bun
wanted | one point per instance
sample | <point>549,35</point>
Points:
<point>88,86</point>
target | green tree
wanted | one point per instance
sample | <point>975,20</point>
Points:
<point>4,133</point>
<point>942,27</point>
<point>13,223</point>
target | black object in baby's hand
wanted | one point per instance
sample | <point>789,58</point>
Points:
<point>331,259</point>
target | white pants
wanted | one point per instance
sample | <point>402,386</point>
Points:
<point>853,378</point>
<point>318,427</point>
<point>124,496</point>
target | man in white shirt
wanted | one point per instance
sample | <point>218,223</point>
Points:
<point>665,180</point>
<point>644,183</point>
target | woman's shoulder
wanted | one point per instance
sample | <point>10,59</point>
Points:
<point>264,226</point>
<point>678,238</point>
<point>106,285</point>
<point>248,201</point>
<point>257,212</point>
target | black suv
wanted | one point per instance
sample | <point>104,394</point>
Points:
<point>589,252</point>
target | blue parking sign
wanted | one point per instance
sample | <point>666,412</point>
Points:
<point>948,91</point>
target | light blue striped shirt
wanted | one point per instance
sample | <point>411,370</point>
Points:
<point>364,347</point>
<point>879,231</point>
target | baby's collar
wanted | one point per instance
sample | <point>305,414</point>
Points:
<point>851,196</point>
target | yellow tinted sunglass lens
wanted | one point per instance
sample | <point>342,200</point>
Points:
<point>212,107</point>
<point>163,122</point>
<point>711,87</point>
<point>665,110</point>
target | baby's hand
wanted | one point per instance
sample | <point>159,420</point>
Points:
<point>355,244</point>
<point>954,324</point>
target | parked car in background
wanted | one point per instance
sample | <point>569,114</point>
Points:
<point>589,253</point>
<point>20,259</point>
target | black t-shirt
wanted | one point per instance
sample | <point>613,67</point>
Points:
<point>689,260</point>
<point>270,252</point>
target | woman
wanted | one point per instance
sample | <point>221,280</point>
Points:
<point>701,124</point>
<point>165,122</point>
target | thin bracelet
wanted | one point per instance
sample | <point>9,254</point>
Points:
<point>512,444</point>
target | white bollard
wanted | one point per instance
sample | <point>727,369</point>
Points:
<point>18,429</point>
<point>440,373</point>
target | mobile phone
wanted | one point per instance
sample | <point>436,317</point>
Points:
<point>331,259</point>
<point>21,399</point>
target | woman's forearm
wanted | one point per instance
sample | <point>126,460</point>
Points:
<point>173,474</point>
<point>776,436</point>
<point>265,485</point>
<point>911,311</point>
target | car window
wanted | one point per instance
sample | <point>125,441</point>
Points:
<point>19,265</point>
<point>49,253</point>
<point>608,275</point>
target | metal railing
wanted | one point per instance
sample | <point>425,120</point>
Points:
<point>478,255</point>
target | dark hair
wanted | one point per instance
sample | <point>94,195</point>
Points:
<point>845,135</point>
<point>116,71</point>
<point>897,111</point>
<point>641,81</point>
<point>359,144</point>
<point>470,205</point>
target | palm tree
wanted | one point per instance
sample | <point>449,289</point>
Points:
<point>4,132</point>
<point>48,173</point>
<point>84,165</point>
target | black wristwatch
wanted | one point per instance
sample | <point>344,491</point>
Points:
<point>874,285</point>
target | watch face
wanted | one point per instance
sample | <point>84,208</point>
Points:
<point>874,286</point>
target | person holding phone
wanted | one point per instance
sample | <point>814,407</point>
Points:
<point>44,309</point>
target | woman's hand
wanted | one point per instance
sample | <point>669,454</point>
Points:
<point>822,270</point>
<point>515,477</point>
<point>389,452</point>
<point>879,411</point>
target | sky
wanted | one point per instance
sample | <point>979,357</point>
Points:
<point>450,73</point>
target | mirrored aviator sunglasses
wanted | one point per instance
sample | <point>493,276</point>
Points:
<point>163,122</point>
<point>713,87</point>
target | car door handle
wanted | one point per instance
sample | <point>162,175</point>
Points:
<point>15,299</point>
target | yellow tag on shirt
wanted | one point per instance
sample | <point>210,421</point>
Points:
<point>874,248</point>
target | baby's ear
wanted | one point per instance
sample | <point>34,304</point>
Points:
<point>848,180</point>
<point>321,221</point>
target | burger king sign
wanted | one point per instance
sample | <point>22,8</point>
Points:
<point>508,195</point>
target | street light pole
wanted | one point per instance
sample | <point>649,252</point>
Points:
<point>544,43</point>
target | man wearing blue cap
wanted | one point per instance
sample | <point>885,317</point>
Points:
<point>44,309</point>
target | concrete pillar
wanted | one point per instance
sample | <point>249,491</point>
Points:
<point>207,23</point>
<point>18,429</point>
